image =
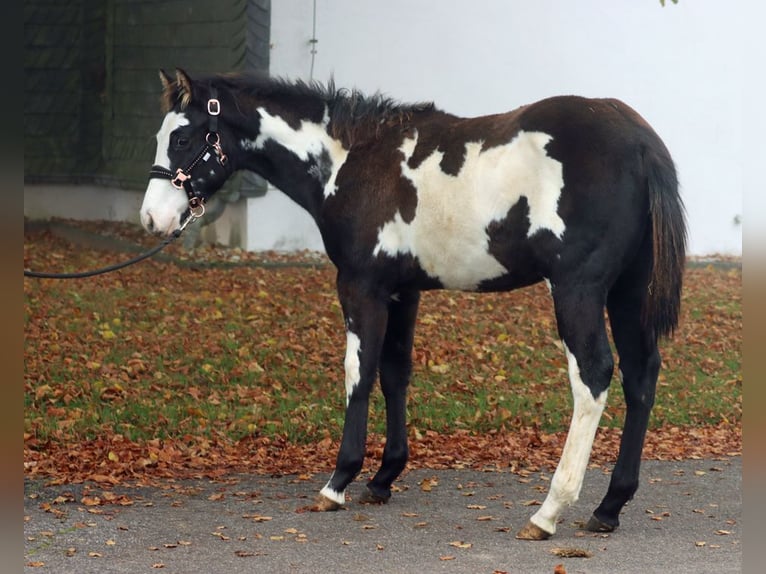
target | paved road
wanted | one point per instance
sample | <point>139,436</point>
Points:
<point>686,518</point>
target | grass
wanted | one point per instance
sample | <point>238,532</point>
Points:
<point>160,351</point>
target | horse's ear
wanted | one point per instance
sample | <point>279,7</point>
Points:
<point>184,87</point>
<point>167,91</point>
<point>165,79</point>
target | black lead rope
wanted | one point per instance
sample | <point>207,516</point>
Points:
<point>80,275</point>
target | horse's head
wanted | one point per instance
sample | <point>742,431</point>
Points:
<point>190,164</point>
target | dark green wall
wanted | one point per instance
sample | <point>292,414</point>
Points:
<point>91,86</point>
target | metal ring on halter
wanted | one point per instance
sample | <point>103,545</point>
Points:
<point>196,207</point>
<point>216,145</point>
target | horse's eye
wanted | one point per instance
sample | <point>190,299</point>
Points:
<point>182,142</point>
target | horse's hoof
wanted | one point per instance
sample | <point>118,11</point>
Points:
<point>596,525</point>
<point>324,504</point>
<point>369,497</point>
<point>532,532</point>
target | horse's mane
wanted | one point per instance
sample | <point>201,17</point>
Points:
<point>353,115</point>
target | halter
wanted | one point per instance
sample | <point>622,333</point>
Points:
<point>181,179</point>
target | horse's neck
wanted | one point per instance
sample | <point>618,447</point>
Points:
<point>296,155</point>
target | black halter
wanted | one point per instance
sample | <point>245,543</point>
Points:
<point>181,179</point>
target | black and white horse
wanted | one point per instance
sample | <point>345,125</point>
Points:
<point>580,193</point>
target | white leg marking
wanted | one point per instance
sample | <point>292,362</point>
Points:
<point>567,480</point>
<point>351,364</point>
<point>329,492</point>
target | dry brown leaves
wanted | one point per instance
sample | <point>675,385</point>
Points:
<point>522,451</point>
<point>111,458</point>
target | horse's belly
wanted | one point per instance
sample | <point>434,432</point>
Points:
<point>449,234</point>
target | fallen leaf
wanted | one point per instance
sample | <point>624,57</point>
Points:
<point>571,552</point>
<point>460,544</point>
<point>559,569</point>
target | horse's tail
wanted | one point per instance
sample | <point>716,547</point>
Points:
<point>668,233</point>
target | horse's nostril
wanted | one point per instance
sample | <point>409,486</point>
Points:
<point>149,223</point>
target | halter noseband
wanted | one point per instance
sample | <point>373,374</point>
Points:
<point>181,179</point>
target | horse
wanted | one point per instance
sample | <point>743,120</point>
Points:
<point>580,193</point>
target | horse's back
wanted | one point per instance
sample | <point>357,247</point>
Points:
<point>498,202</point>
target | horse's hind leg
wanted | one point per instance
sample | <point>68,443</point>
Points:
<point>580,317</point>
<point>395,369</point>
<point>639,367</point>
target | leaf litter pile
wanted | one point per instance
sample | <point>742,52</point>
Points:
<point>215,361</point>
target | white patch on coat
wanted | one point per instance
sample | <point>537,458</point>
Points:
<point>448,234</point>
<point>351,363</point>
<point>307,142</point>
<point>567,480</point>
<point>163,204</point>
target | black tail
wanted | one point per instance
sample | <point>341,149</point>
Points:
<point>663,302</point>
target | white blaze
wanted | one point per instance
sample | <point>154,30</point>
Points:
<point>163,204</point>
<point>567,480</point>
<point>448,234</point>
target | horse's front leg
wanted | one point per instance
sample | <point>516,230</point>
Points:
<point>365,318</point>
<point>395,369</point>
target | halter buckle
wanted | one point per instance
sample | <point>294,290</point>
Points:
<point>213,107</point>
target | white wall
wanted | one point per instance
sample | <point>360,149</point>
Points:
<point>683,67</point>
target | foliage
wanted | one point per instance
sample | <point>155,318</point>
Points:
<point>248,356</point>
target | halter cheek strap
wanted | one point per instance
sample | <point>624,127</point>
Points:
<point>181,179</point>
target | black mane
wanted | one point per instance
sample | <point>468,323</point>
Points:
<point>353,114</point>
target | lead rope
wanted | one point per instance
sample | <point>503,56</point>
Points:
<point>82,274</point>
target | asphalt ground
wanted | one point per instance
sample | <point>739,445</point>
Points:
<point>685,518</point>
